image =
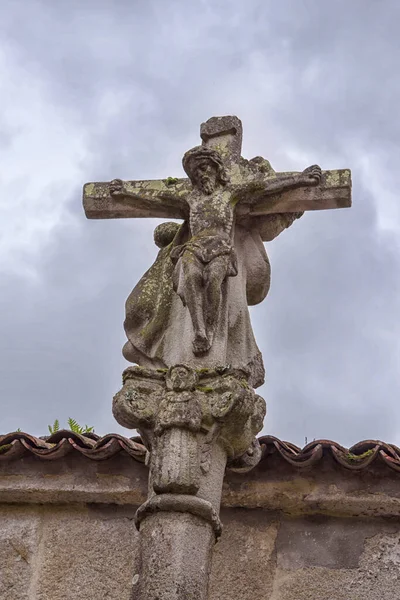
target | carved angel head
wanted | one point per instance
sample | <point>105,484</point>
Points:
<point>180,378</point>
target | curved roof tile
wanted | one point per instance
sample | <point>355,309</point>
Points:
<point>360,456</point>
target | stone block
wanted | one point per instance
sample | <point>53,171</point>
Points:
<point>19,534</point>
<point>337,560</point>
<point>244,560</point>
<point>88,553</point>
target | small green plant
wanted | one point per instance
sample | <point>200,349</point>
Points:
<point>54,428</point>
<point>171,180</point>
<point>6,447</point>
<point>356,457</point>
<point>72,425</point>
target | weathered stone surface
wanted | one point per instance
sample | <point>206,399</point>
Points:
<point>272,486</point>
<point>373,572</point>
<point>190,421</point>
<point>188,328</point>
<point>225,135</point>
<point>191,306</point>
<point>182,414</point>
<point>73,479</point>
<point>325,489</point>
<point>176,554</point>
<point>55,552</point>
<point>244,559</point>
<point>84,552</point>
<point>19,537</point>
<point>320,541</point>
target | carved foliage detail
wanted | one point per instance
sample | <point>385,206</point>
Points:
<point>181,413</point>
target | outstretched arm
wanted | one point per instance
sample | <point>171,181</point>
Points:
<point>150,199</point>
<point>254,191</point>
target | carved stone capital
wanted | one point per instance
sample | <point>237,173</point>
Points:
<point>181,413</point>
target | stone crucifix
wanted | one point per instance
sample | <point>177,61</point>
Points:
<point>191,396</point>
<point>191,306</point>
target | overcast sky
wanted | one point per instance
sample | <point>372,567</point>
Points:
<point>100,89</point>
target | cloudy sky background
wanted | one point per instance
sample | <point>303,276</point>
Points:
<point>101,89</point>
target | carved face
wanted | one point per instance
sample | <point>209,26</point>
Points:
<point>206,175</point>
<point>181,378</point>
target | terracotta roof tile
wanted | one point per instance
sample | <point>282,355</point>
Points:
<point>15,445</point>
<point>360,456</point>
<point>356,458</point>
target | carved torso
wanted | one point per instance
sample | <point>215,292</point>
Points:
<point>211,214</point>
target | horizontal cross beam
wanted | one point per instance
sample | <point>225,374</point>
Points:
<point>99,204</point>
<point>334,191</point>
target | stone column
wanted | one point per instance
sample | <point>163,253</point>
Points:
<point>192,422</point>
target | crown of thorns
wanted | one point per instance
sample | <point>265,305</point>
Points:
<point>192,157</point>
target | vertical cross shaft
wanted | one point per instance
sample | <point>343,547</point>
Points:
<point>225,135</point>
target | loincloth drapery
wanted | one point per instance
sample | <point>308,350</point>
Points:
<point>206,249</point>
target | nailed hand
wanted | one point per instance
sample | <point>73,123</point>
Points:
<point>116,187</point>
<point>312,175</point>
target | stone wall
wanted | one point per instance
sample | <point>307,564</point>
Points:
<point>262,556</point>
<point>63,552</point>
<point>323,533</point>
<point>60,552</point>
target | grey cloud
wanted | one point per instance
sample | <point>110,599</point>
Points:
<point>307,78</point>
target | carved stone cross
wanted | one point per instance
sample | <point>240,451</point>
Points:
<point>217,264</point>
<point>225,135</point>
<point>188,328</point>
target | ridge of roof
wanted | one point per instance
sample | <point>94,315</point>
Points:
<point>360,456</point>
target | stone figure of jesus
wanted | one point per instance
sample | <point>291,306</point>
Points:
<point>202,264</point>
<point>191,306</point>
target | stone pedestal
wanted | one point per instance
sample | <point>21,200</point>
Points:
<point>192,422</point>
<point>176,556</point>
